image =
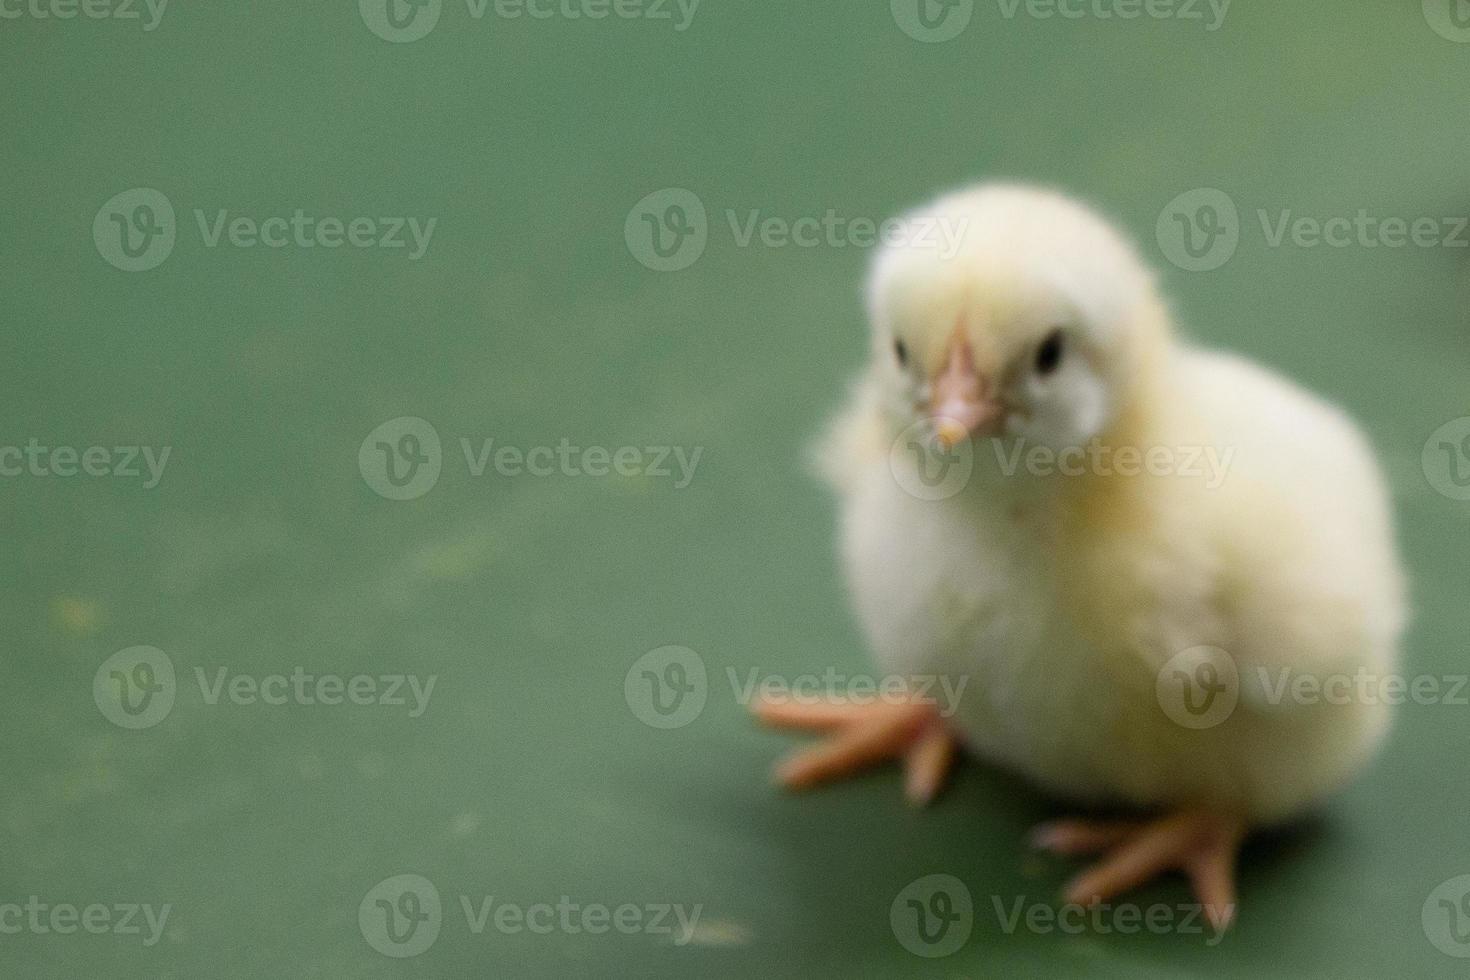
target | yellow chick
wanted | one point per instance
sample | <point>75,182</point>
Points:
<point>1140,528</point>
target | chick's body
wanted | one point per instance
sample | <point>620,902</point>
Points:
<point>1163,577</point>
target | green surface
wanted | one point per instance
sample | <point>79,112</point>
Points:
<point>528,320</point>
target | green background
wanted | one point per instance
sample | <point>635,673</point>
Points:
<point>529,320</point>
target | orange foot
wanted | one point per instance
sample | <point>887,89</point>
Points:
<point>861,736</point>
<point>1202,844</point>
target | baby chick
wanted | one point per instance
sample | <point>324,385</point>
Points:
<point>1066,593</point>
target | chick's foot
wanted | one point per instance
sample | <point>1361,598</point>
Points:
<point>862,735</point>
<point>1203,844</point>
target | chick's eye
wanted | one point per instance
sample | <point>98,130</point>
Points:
<point>1049,354</point>
<point>901,352</point>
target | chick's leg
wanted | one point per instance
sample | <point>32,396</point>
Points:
<point>1203,844</point>
<point>862,735</point>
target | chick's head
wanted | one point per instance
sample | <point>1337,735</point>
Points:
<point>1010,311</point>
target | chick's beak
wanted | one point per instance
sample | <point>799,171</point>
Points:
<point>960,406</point>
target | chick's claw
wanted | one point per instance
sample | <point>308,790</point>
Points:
<point>862,735</point>
<point>1200,843</point>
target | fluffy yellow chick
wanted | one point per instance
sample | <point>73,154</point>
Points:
<point>1090,553</point>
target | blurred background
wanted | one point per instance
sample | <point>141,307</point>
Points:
<point>290,289</point>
